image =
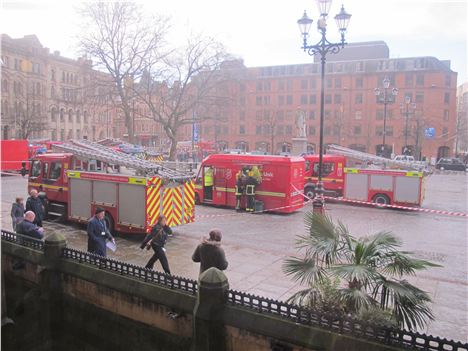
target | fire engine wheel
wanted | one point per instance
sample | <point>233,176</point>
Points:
<point>381,200</point>
<point>309,192</point>
<point>109,223</point>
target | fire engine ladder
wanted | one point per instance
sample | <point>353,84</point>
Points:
<point>88,150</point>
<point>350,153</point>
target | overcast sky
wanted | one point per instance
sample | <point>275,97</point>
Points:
<point>264,32</point>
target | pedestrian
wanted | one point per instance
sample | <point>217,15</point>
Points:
<point>210,253</point>
<point>28,228</point>
<point>156,240</point>
<point>98,233</point>
<point>240,179</point>
<point>35,204</point>
<point>17,212</point>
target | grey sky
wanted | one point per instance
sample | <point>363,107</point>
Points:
<point>264,32</point>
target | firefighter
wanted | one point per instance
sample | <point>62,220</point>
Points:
<point>208,183</point>
<point>251,183</point>
<point>240,179</point>
<point>257,174</point>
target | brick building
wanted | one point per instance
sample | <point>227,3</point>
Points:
<point>47,96</point>
<point>461,141</point>
<point>268,99</point>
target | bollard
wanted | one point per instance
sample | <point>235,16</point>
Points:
<point>209,333</point>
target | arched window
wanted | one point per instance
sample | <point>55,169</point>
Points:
<point>78,116</point>
<point>70,116</point>
<point>52,91</point>
<point>53,116</point>
<point>5,86</point>
<point>62,117</point>
<point>85,117</point>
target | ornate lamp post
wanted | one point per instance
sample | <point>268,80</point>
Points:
<point>385,97</point>
<point>323,47</point>
<point>405,108</point>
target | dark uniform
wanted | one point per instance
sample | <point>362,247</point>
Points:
<point>251,183</point>
<point>240,178</point>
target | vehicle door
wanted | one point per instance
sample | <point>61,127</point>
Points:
<point>220,189</point>
<point>52,177</point>
<point>328,174</point>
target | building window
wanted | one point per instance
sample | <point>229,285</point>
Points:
<point>259,86</point>
<point>337,98</point>
<point>266,100</point>
<point>419,96</point>
<point>359,83</point>
<point>281,100</point>
<point>358,115</point>
<point>409,79</point>
<point>337,82</point>
<point>327,114</point>
<point>312,83</point>
<point>358,99</point>
<point>445,132</point>
<point>446,115</point>
<point>303,99</point>
<point>289,130</point>
<point>289,85</point>
<point>280,115</point>
<point>359,67</point>
<point>289,100</point>
<point>379,115</point>
<point>258,130</point>
<point>420,79</point>
<point>408,95</point>
<point>448,80</point>
<point>357,130</point>
<point>327,130</point>
<point>312,99</point>
<point>281,85</point>
<point>258,115</point>
<point>311,115</point>
<point>311,130</point>
<point>447,98</point>
<point>242,115</point>
<point>303,84</point>
<point>258,101</point>
<point>328,99</point>
<point>329,83</point>
<point>241,129</point>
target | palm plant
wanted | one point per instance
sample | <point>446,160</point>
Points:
<point>370,272</point>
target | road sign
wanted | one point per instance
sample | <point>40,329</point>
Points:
<point>429,133</point>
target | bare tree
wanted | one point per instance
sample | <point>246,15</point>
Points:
<point>184,88</point>
<point>121,40</point>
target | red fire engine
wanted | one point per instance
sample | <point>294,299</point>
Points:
<point>382,186</point>
<point>282,179</point>
<point>133,192</point>
<point>15,154</point>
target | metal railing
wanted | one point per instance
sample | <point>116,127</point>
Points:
<point>131,270</point>
<point>343,324</point>
<point>334,322</point>
<point>22,240</point>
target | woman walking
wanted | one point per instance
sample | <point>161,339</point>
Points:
<point>156,240</point>
<point>17,212</point>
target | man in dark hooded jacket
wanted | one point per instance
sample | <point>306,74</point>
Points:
<point>210,253</point>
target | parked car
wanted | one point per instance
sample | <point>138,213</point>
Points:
<point>451,164</point>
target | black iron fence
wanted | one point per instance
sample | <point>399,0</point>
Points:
<point>22,240</point>
<point>334,322</point>
<point>134,271</point>
<point>344,324</point>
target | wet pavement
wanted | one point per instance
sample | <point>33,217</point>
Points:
<point>257,244</point>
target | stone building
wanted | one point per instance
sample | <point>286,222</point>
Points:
<point>267,101</point>
<point>47,96</point>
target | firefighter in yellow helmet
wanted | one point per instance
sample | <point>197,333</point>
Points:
<point>208,183</point>
<point>251,183</point>
<point>240,181</point>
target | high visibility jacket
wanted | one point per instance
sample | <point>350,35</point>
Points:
<point>257,174</point>
<point>209,177</point>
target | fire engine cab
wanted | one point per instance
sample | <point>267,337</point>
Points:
<point>369,183</point>
<point>280,187</point>
<point>133,192</point>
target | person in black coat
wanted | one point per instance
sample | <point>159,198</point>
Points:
<point>28,228</point>
<point>17,212</point>
<point>157,239</point>
<point>34,203</point>
<point>98,233</point>
<point>210,253</point>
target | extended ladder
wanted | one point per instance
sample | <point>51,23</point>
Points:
<point>363,156</point>
<point>89,150</point>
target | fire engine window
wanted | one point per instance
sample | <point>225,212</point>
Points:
<point>36,168</point>
<point>55,170</point>
<point>328,167</point>
<point>307,166</point>
<point>45,170</point>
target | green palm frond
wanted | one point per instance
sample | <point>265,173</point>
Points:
<point>307,297</point>
<point>377,245</point>
<point>361,274</point>
<point>399,264</point>
<point>355,299</point>
<point>304,270</point>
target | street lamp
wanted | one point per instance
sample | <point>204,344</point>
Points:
<point>323,47</point>
<point>385,97</point>
<point>406,109</point>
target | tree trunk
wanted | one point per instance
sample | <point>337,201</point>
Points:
<point>130,121</point>
<point>173,150</point>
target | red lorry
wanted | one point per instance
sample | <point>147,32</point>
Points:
<point>15,154</point>
<point>280,189</point>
